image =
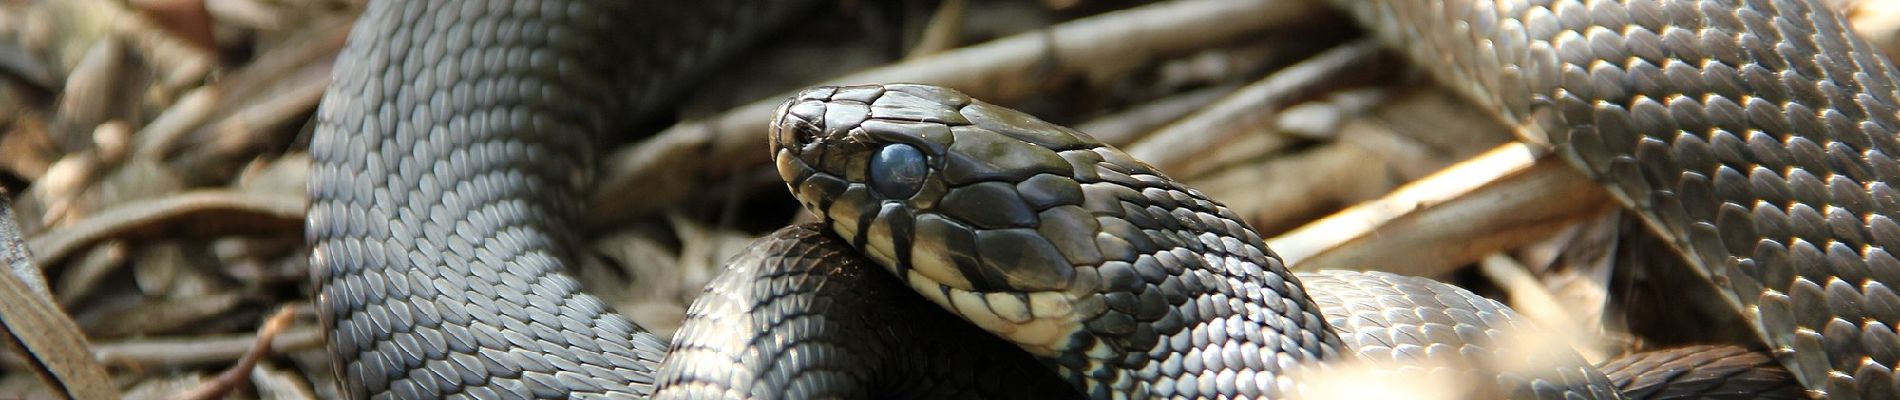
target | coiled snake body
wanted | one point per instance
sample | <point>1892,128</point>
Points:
<point>457,136</point>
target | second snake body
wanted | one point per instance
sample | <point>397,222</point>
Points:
<point>1758,136</point>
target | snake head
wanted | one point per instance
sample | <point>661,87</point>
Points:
<point>972,204</point>
<point>1038,233</point>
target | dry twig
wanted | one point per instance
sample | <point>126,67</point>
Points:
<point>239,373</point>
<point>205,211</point>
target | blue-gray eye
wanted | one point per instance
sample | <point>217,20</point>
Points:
<point>897,171</point>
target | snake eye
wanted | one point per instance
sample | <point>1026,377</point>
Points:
<point>897,171</point>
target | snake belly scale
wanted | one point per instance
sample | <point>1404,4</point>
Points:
<point>452,147</point>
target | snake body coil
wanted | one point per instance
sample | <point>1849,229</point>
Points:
<point>449,156</point>
<point>452,147</point>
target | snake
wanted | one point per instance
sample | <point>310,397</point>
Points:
<point>452,147</point>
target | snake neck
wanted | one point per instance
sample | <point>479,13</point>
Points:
<point>1176,296</point>
<point>1197,304</point>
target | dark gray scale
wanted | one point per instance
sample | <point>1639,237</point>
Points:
<point>982,155</point>
<point>1045,191</point>
<point>1083,164</point>
<point>911,105</point>
<point>1136,217</point>
<point>1020,259</point>
<point>857,94</point>
<point>989,205</point>
<point>1071,230</point>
